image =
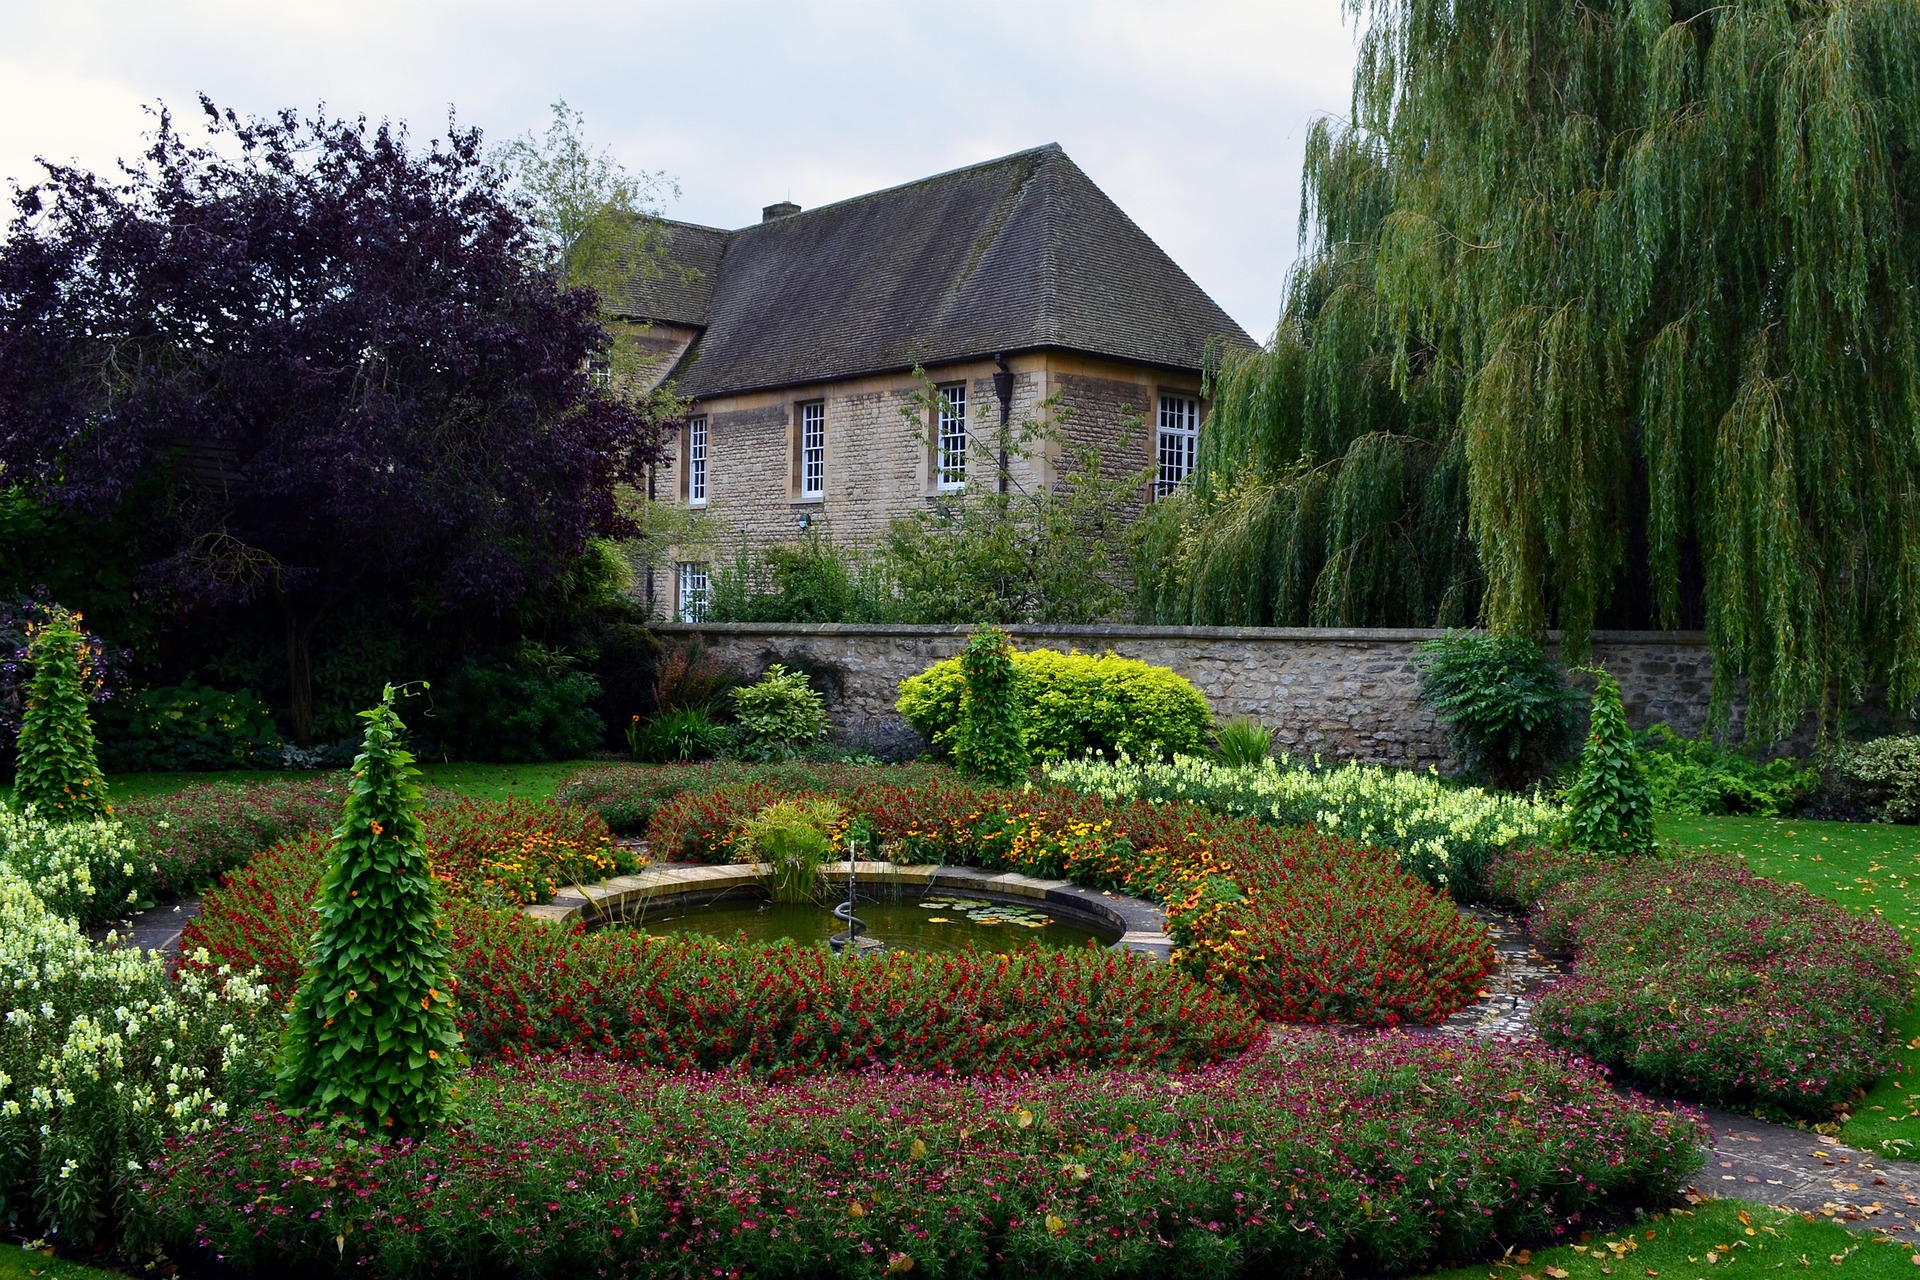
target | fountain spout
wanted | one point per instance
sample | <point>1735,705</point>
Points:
<point>848,941</point>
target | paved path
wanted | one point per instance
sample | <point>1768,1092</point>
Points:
<point>155,929</point>
<point>1751,1159</point>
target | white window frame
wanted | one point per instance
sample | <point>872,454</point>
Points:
<point>697,460</point>
<point>950,439</point>
<point>696,590</point>
<point>813,450</point>
<point>1176,443</point>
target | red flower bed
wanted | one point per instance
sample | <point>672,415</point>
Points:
<point>1308,927</point>
<point>1696,977</point>
<point>526,986</point>
<point>1323,1156</point>
<point>197,833</point>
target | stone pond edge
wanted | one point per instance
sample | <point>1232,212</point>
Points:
<point>1142,926</point>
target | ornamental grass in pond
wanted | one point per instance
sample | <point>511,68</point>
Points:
<point>1320,1156</point>
<point>1305,926</point>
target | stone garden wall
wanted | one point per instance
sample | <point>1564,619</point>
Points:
<point>1349,694</point>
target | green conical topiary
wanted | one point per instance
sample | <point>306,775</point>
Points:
<point>1610,807</point>
<point>57,773</point>
<point>371,1038</point>
<point>989,743</point>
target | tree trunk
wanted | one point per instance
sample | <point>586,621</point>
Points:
<point>299,671</point>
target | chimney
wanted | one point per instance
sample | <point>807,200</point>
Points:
<point>785,209</point>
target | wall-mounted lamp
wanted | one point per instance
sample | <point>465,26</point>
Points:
<point>804,521</point>
<point>1003,388</point>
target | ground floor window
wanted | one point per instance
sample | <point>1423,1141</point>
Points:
<point>696,588</point>
<point>1179,442</point>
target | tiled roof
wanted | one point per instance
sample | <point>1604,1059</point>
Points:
<point>1014,254</point>
<point>682,290</point>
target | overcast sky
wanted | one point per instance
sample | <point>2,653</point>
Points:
<point>1191,114</point>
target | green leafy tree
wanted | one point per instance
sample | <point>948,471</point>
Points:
<point>371,1037</point>
<point>989,743</point>
<point>1622,294</point>
<point>602,229</point>
<point>56,772</point>
<point>1610,805</point>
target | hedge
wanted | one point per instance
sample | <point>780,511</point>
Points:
<point>1072,705</point>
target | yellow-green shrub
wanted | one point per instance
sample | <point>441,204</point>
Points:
<point>1072,704</point>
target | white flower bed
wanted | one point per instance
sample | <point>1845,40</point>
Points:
<point>1441,833</point>
<point>103,1057</point>
<point>88,871</point>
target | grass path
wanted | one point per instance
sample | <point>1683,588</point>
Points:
<point>1869,867</point>
<point>481,781</point>
<point>1721,1239</point>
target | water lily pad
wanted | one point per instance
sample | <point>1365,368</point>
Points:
<point>938,920</point>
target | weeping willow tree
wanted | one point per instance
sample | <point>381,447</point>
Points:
<point>1623,290</point>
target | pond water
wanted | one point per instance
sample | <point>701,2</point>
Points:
<point>935,923</point>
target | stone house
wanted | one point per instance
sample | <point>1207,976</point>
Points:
<point>1016,286</point>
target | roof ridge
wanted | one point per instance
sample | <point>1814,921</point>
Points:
<point>906,186</point>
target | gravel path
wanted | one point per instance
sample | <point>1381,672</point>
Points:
<point>1751,1159</point>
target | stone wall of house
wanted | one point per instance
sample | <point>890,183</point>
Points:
<point>879,465</point>
<point>1347,694</point>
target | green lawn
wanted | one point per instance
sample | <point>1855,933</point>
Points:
<point>481,781</point>
<point>25,1264</point>
<point>1720,1238</point>
<point>1867,866</point>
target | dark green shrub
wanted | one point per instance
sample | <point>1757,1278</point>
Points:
<point>989,743</point>
<point>1508,711</point>
<point>535,707</point>
<point>57,773</point>
<point>185,727</point>
<point>1610,805</point>
<point>678,736</point>
<point>1240,743</point>
<point>1696,777</point>
<point>371,1035</point>
<point>1882,777</point>
<point>780,715</point>
<point>1073,705</point>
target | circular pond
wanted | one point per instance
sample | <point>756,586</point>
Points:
<point>937,922</point>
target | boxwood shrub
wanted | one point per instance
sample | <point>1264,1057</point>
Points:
<point>1321,1156</point>
<point>1698,978</point>
<point>1071,705</point>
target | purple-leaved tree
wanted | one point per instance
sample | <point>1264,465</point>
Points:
<point>323,364</point>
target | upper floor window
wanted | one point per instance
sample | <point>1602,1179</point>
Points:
<point>600,371</point>
<point>813,449</point>
<point>950,444</point>
<point>696,588</point>
<point>1178,442</point>
<point>697,461</point>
